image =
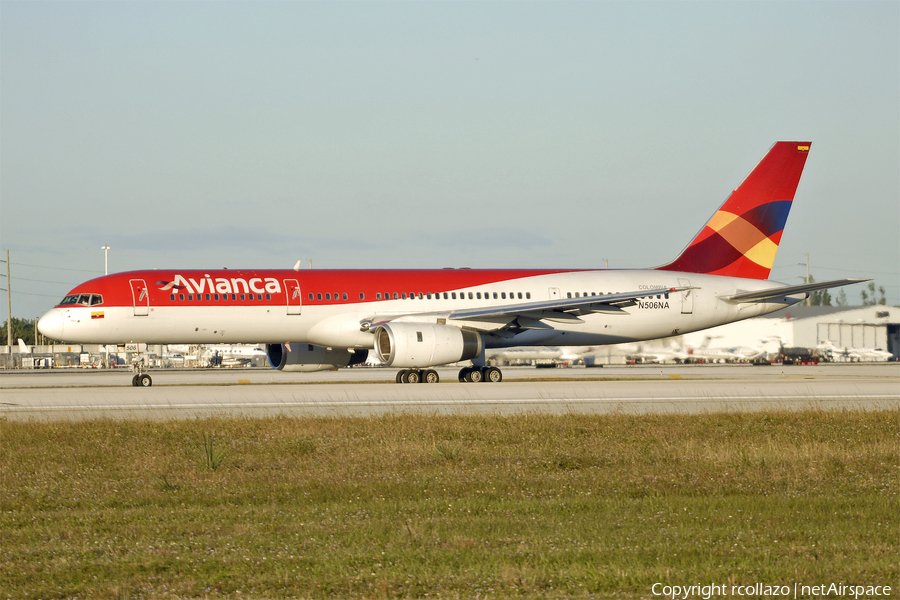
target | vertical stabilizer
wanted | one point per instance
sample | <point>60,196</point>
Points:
<point>741,239</point>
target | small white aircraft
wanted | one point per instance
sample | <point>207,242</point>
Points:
<point>847,354</point>
<point>723,354</point>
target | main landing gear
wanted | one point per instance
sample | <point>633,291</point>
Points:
<point>476,374</point>
<point>468,374</point>
<point>417,376</point>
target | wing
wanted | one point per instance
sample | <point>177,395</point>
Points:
<point>530,315</point>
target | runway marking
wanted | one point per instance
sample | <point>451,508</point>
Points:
<point>477,402</point>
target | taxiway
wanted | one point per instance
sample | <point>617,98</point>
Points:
<point>79,394</point>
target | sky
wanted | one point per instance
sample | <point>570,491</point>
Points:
<point>435,134</point>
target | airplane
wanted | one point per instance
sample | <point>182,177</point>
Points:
<point>415,319</point>
<point>657,355</point>
<point>549,355</point>
<point>729,354</point>
<point>38,360</point>
<point>226,355</point>
<point>847,354</point>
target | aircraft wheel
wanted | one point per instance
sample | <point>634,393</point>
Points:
<point>134,382</point>
<point>413,376</point>
<point>464,374</point>
<point>474,376</point>
<point>400,375</point>
<point>430,376</point>
<point>144,380</point>
<point>493,375</point>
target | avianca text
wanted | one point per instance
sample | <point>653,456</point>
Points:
<point>223,285</point>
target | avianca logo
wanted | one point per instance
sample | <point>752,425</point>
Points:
<point>222,285</point>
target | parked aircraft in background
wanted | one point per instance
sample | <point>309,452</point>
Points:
<point>416,319</point>
<point>722,354</point>
<point>32,359</point>
<point>657,355</point>
<point>226,355</point>
<point>556,355</point>
<point>847,354</point>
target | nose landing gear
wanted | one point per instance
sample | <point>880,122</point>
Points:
<point>141,379</point>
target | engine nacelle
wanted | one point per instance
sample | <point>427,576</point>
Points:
<point>425,344</point>
<point>308,358</point>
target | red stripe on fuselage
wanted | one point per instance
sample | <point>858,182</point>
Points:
<point>116,289</point>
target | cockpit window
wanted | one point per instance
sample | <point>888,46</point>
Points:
<point>82,300</point>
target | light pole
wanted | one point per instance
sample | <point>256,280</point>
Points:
<point>105,259</point>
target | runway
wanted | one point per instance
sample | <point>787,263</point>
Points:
<point>654,389</point>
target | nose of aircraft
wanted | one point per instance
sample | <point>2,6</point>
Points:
<point>51,324</point>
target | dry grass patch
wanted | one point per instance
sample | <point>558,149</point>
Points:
<point>534,505</point>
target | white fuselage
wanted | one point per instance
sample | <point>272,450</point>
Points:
<point>339,325</point>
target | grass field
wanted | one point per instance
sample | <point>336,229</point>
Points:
<point>532,506</point>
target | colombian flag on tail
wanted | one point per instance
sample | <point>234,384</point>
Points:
<point>741,239</point>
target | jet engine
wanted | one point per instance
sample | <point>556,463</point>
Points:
<point>425,344</point>
<point>298,356</point>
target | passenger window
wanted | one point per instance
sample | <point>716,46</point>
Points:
<point>171,296</point>
<point>344,296</point>
<point>319,296</point>
<point>378,295</point>
<point>470,295</point>
<point>429,296</point>
<point>181,296</point>
<point>215,296</point>
<point>396,295</point>
<point>328,296</point>
<point>528,295</point>
<point>568,294</point>
<point>362,296</point>
<point>503,295</point>
<point>453,295</point>
<point>242,297</point>
<point>445,296</point>
<point>478,295</point>
<point>520,295</point>
<point>310,296</point>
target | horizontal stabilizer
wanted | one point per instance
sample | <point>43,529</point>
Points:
<point>787,290</point>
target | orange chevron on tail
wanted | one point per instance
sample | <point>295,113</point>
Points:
<point>741,239</point>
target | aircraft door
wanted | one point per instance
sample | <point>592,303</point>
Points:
<point>687,298</point>
<point>554,293</point>
<point>141,296</point>
<point>294,299</point>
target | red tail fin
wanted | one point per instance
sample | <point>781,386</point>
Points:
<point>741,239</point>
